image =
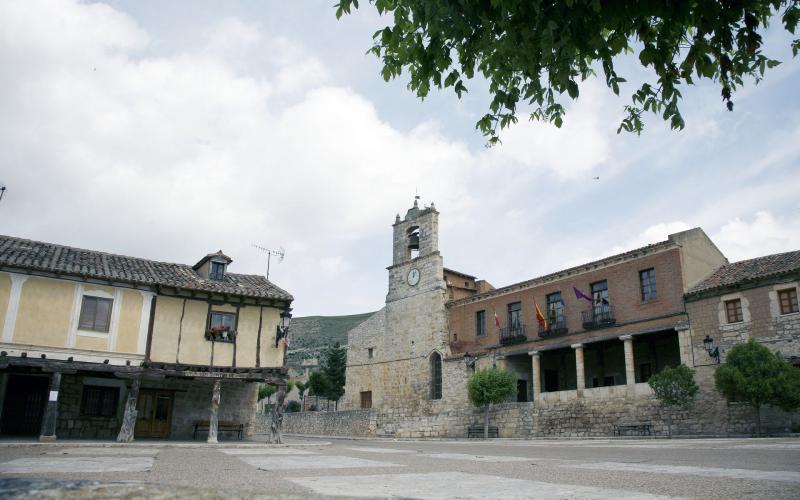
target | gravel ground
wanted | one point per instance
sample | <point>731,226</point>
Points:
<point>708,468</point>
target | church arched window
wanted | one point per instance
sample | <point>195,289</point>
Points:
<point>436,376</point>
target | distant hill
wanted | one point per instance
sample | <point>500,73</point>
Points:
<point>310,335</point>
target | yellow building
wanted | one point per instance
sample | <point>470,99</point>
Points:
<point>91,340</point>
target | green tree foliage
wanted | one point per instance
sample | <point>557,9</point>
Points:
<point>266,391</point>
<point>536,52</point>
<point>301,389</point>
<point>752,374</point>
<point>293,407</point>
<point>675,388</point>
<point>318,385</point>
<point>490,386</point>
<point>333,366</point>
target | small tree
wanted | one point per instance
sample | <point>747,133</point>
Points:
<point>490,386</point>
<point>317,385</point>
<point>333,365</point>
<point>301,389</point>
<point>266,391</point>
<point>752,374</point>
<point>675,388</point>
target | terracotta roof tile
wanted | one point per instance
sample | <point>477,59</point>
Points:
<point>49,257</point>
<point>750,270</point>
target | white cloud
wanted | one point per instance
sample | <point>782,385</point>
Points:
<point>764,234</point>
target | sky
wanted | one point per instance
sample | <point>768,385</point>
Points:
<point>169,130</point>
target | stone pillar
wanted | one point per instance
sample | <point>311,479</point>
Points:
<point>536,374</point>
<point>48,433</point>
<point>213,422</point>
<point>129,419</point>
<point>579,374</point>
<point>630,367</point>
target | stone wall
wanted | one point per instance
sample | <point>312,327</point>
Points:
<point>71,424</point>
<point>323,423</point>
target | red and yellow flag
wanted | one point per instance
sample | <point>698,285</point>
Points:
<point>539,316</point>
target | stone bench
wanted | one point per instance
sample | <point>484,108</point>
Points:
<point>639,428</point>
<point>222,426</point>
<point>477,431</point>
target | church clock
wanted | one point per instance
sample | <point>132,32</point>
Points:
<point>413,277</point>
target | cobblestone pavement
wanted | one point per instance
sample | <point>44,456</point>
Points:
<point>585,469</point>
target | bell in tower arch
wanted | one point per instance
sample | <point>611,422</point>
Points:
<point>413,238</point>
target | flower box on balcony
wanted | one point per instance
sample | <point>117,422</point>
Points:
<point>220,334</point>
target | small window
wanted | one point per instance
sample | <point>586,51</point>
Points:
<point>95,314</point>
<point>217,271</point>
<point>647,280</point>
<point>733,310</point>
<point>370,352</point>
<point>366,400</point>
<point>466,284</point>
<point>788,301</point>
<point>480,323</point>
<point>221,326</point>
<point>99,401</point>
<point>436,376</point>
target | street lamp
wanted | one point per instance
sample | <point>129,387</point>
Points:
<point>469,360</point>
<point>283,326</point>
<point>712,351</point>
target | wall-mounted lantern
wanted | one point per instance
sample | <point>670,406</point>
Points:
<point>283,326</point>
<point>712,351</point>
<point>469,360</point>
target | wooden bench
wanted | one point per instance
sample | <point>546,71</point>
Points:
<point>477,431</point>
<point>639,428</point>
<point>222,426</point>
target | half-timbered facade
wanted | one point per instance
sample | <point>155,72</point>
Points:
<point>96,345</point>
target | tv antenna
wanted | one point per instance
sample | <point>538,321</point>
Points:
<point>2,191</point>
<point>280,254</point>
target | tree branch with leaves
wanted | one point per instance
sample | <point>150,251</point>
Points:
<point>535,52</point>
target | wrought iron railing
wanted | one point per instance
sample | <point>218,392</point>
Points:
<point>513,334</point>
<point>599,316</point>
<point>555,326</point>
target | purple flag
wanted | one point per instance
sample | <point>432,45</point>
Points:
<point>581,295</point>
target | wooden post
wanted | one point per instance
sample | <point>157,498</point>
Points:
<point>129,419</point>
<point>213,422</point>
<point>51,411</point>
<point>277,416</point>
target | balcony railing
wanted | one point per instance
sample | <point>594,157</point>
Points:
<point>555,327</point>
<point>513,334</point>
<point>220,334</point>
<point>598,317</point>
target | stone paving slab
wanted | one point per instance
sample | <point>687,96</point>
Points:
<point>290,462</point>
<point>66,465</point>
<point>452,485</point>
<point>267,451</point>
<point>90,451</point>
<point>757,475</point>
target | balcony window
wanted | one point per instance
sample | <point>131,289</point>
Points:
<point>733,311</point>
<point>95,314</point>
<point>602,313</point>
<point>647,281</point>
<point>556,318</point>
<point>514,315</point>
<point>788,301</point>
<point>480,323</point>
<point>221,326</point>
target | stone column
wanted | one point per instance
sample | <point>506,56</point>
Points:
<point>48,433</point>
<point>213,422</point>
<point>630,367</point>
<point>579,374</point>
<point>129,419</point>
<point>537,374</point>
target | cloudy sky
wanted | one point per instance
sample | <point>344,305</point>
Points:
<point>168,130</point>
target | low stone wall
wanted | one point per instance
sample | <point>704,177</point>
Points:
<point>324,423</point>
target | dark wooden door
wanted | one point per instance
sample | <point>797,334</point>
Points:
<point>25,400</point>
<point>522,391</point>
<point>154,417</point>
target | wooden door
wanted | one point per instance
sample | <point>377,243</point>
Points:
<point>154,417</point>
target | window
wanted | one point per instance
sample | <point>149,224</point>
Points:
<point>555,310</point>
<point>480,323</point>
<point>370,352</point>
<point>221,326</point>
<point>366,400</point>
<point>95,314</point>
<point>436,376</point>
<point>515,315</point>
<point>99,401</point>
<point>733,310</point>
<point>217,271</point>
<point>788,301</point>
<point>647,280</point>
<point>600,298</point>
